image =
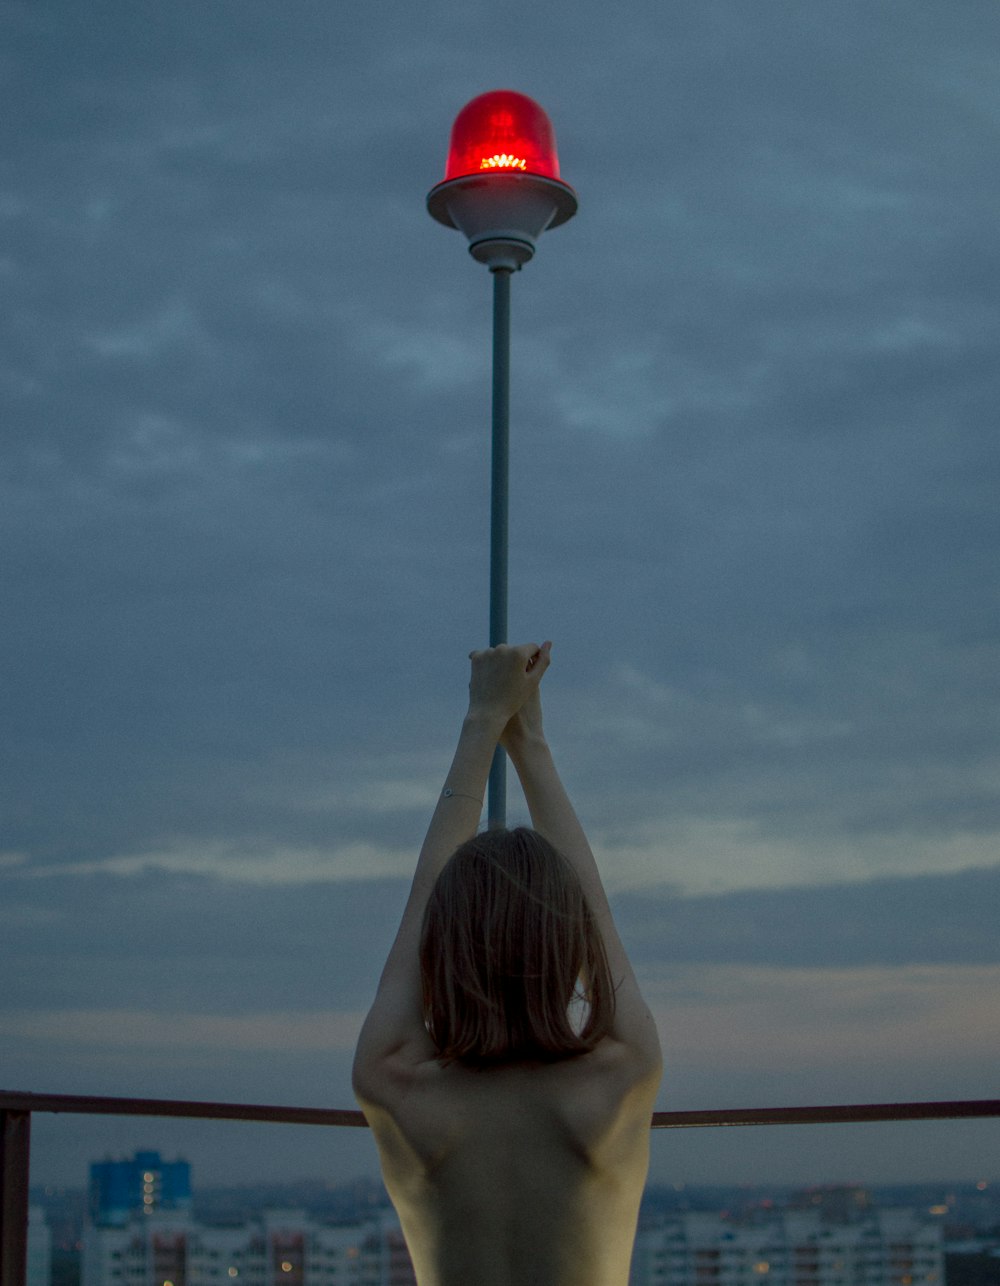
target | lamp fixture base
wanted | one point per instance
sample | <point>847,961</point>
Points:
<point>502,215</point>
<point>502,252</point>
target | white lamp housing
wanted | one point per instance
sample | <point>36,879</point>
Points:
<point>502,214</point>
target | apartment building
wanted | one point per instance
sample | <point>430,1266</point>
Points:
<point>791,1248</point>
<point>280,1248</point>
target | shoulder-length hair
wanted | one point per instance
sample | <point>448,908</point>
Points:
<point>509,942</point>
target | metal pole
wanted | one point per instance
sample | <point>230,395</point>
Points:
<point>497,808</point>
<point>15,1151</point>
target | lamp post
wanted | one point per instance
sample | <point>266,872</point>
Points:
<point>502,190</point>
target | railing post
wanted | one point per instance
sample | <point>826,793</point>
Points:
<point>15,1152</point>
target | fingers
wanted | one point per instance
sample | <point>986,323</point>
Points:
<point>527,652</point>
<point>541,657</point>
<point>504,678</point>
<point>531,653</point>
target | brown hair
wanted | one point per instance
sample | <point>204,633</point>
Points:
<point>507,937</point>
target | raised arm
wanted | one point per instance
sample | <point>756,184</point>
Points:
<point>502,679</point>
<point>553,815</point>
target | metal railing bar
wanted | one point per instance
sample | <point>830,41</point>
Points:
<point>87,1105</point>
<point>842,1114</point>
<point>955,1109</point>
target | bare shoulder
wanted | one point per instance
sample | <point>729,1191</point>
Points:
<point>608,1092</point>
<point>633,1062</point>
<point>386,1078</point>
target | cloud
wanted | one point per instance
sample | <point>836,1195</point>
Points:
<point>231,863</point>
<point>145,1032</point>
<point>180,942</point>
<point>715,854</point>
<point>802,1036</point>
<point>934,919</point>
<point>837,764</point>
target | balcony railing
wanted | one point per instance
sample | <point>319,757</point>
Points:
<point>16,1110</point>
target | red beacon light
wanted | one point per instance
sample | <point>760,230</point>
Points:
<point>501,185</point>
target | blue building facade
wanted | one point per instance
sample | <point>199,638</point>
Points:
<point>145,1184</point>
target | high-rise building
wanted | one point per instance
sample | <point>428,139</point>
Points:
<point>144,1185</point>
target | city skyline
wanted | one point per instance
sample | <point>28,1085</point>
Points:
<point>244,514</point>
<point>140,1220</point>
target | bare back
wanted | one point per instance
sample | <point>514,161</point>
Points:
<point>525,1175</point>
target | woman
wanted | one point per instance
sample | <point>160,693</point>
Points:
<point>513,1132</point>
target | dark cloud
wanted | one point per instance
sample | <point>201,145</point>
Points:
<point>194,944</point>
<point>754,386</point>
<point>163,942</point>
<point>933,919</point>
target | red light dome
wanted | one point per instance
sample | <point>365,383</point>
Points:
<point>502,131</point>
<point>501,186</point>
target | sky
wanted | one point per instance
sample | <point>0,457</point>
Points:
<point>244,497</point>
